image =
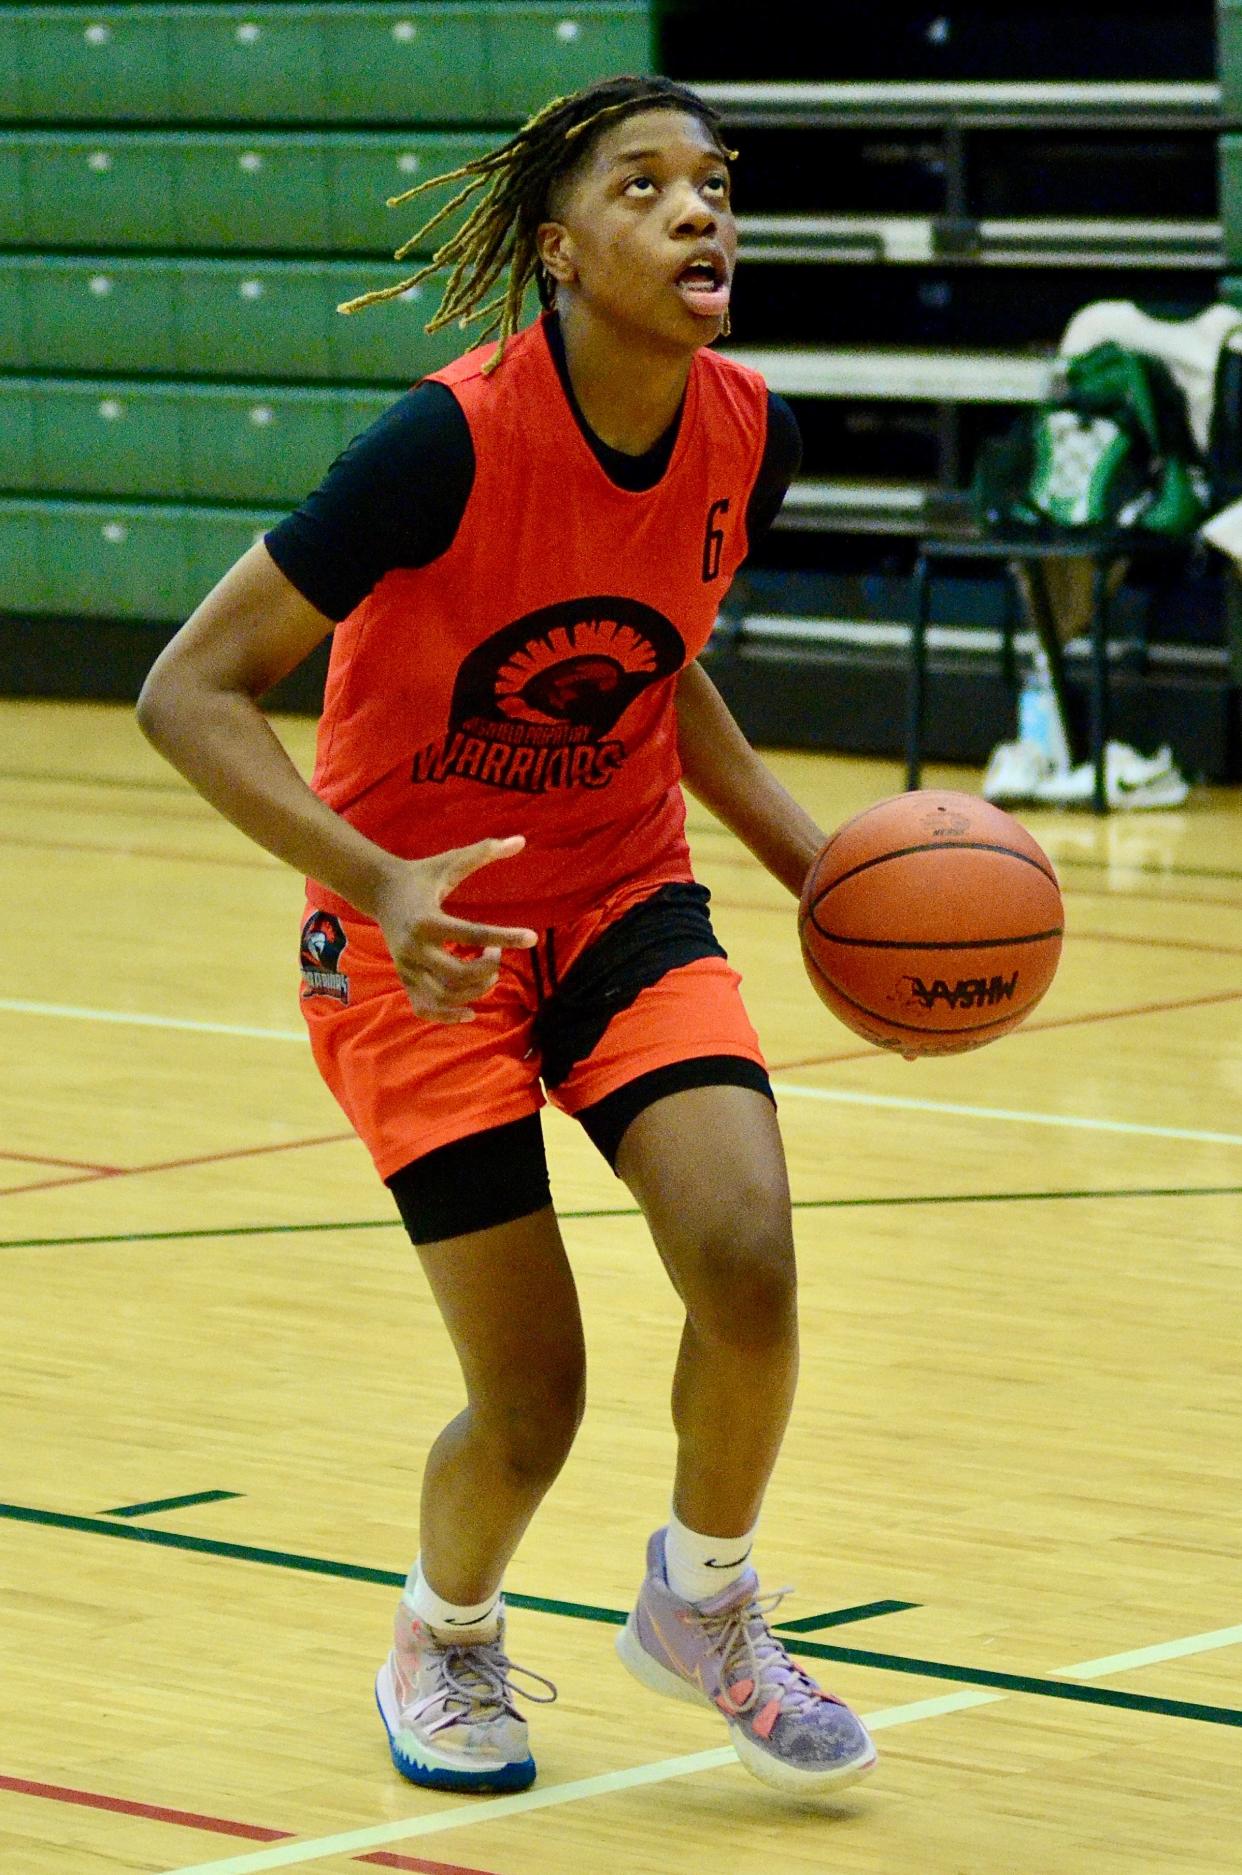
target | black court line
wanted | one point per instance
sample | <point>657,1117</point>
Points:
<point>170,1503</point>
<point>800,1204</point>
<point>615,1617</point>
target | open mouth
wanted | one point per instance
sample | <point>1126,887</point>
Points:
<point>704,286</point>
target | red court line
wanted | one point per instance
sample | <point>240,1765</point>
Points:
<point>65,777</point>
<point>1158,943</point>
<point>157,1812</point>
<point>45,1158</point>
<point>1139,1009</point>
<point>386,1859</point>
<point>142,852</point>
<point>110,807</point>
<point>739,863</point>
<point>214,1825</point>
<point>744,863</point>
<point>1077,936</point>
<point>176,1165</point>
<point>242,1152</point>
<point>1026,1028</point>
<point>811,1061</point>
<point>1149,898</point>
<point>50,1184</point>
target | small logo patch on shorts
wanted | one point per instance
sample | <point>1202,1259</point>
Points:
<point>323,940</point>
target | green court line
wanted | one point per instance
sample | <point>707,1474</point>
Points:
<point>890,1663</point>
<point>252,1230</point>
<point>319,1565</point>
<point>1021,1197</point>
<point>170,1503</point>
<point>1021,1683</point>
<point>800,1204</point>
<point>840,1616</point>
<point>204,1545</point>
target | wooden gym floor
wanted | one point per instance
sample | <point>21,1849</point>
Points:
<point>1009,1499</point>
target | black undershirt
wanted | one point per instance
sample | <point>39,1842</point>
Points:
<point>396,496</point>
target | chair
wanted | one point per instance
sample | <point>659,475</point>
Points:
<point>1022,556</point>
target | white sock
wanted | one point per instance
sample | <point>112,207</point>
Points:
<point>699,1567</point>
<point>480,1619</point>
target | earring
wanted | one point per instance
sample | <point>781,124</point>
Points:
<point>727,327</point>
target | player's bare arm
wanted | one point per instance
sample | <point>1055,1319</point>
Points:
<point>199,706</point>
<point>722,771</point>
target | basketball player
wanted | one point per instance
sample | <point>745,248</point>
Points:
<point>522,561</point>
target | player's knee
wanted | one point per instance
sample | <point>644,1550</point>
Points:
<point>532,1429</point>
<point>745,1292</point>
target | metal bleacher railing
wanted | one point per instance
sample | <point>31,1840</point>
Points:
<point>951,111</point>
<point>846,628</point>
<point>956,238</point>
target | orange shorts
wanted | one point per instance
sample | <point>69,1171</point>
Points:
<point>609,997</point>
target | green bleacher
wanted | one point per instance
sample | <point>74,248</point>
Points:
<point>251,319</point>
<point>261,191</point>
<point>352,63</point>
<point>186,194</point>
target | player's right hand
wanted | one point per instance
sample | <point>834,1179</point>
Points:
<point>441,984</point>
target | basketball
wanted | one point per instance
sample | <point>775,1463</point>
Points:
<point>931,923</point>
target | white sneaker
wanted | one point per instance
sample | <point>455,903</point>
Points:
<point>448,1709</point>
<point>1131,780</point>
<point>1224,530</point>
<point>1015,771</point>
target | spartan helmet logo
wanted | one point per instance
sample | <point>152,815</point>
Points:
<point>323,940</point>
<point>576,674</point>
<point>573,668</point>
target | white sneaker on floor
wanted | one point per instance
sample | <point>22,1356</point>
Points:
<point>448,1710</point>
<point>1131,780</point>
<point>1015,771</point>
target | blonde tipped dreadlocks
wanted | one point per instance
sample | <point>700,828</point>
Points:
<point>499,232</point>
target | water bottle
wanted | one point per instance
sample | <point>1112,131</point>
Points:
<point>1039,717</point>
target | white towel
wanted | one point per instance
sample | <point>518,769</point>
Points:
<point>1191,348</point>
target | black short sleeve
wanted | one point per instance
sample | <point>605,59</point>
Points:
<point>782,458</point>
<point>394,498</point>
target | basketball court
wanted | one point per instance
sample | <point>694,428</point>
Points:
<point>1008,1502</point>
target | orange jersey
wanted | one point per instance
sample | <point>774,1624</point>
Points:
<point>524,681</point>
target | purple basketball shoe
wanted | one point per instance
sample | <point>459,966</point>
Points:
<point>787,1732</point>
